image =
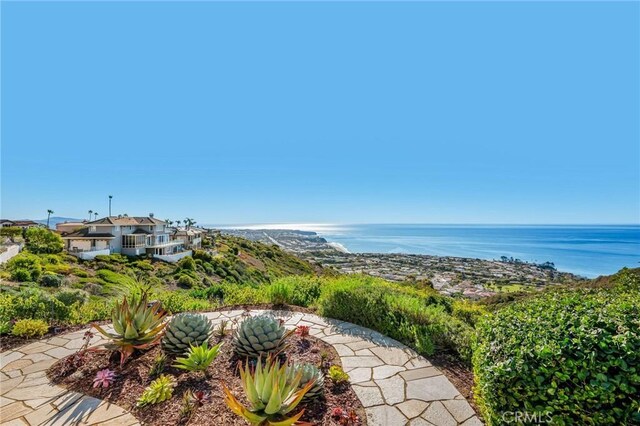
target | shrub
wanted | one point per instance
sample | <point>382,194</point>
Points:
<point>40,240</point>
<point>279,293</point>
<point>79,273</point>
<point>30,328</point>
<point>187,263</point>
<point>21,275</point>
<point>180,301</point>
<point>467,311</point>
<point>186,281</point>
<point>202,255</point>
<point>5,327</point>
<point>572,354</point>
<point>25,267</point>
<point>145,265</point>
<point>32,303</point>
<point>93,288</point>
<point>51,280</point>
<point>69,297</point>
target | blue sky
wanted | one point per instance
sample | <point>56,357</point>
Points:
<point>323,112</point>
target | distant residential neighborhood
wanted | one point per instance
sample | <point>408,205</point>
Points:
<point>123,234</point>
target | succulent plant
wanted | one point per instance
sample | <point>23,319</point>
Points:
<point>192,400</point>
<point>272,393</point>
<point>159,390</point>
<point>259,336</point>
<point>184,330</point>
<point>137,325</point>
<point>303,330</point>
<point>159,362</point>
<point>309,373</point>
<point>104,378</point>
<point>337,375</point>
<point>198,358</point>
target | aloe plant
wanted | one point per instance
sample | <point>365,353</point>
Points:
<point>198,358</point>
<point>272,393</point>
<point>137,325</point>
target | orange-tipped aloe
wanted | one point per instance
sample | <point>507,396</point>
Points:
<point>272,391</point>
<point>137,325</point>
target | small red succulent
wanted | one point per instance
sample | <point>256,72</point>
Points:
<point>302,330</point>
<point>337,412</point>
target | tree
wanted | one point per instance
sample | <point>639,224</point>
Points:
<point>188,222</point>
<point>11,232</point>
<point>90,214</point>
<point>95,215</point>
<point>49,213</point>
<point>40,240</point>
<point>110,198</point>
<point>178,222</point>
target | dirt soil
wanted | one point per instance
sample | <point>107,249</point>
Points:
<point>134,377</point>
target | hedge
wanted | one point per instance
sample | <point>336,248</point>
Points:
<point>571,355</point>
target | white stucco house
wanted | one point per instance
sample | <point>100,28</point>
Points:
<point>131,236</point>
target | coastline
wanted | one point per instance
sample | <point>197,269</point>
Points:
<point>472,278</point>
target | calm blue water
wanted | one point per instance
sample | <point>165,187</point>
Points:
<point>585,250</point>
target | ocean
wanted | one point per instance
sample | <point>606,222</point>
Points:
<point>588,251</point>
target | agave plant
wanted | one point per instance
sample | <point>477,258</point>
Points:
<point>137,325</point>
<point>104,378</point>
<point>198,358</point>
<point>309,373</point>
<point>272,393</point>
<point>184,330</point>
<point>260,335</point>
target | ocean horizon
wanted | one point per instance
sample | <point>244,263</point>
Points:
<point>586,250</point>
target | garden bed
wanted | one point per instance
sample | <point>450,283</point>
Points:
<point>134,377</point>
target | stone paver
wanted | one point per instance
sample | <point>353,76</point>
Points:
<point>395,384</point>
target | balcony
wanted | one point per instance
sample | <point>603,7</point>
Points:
<point>89,253</point>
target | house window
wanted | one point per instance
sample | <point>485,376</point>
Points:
<point>93,229</point>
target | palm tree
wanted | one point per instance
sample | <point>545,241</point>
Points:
<point>188,222</point>
<point>90,213</point>
<point>169,222</point>
<point>49,213</point>
<point>95,215</point>
<point>178,222</point>
<point>110,197</point>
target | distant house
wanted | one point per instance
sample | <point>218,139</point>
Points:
<point>24,224</point>
<point>192,237</point>
<point>132,236</point>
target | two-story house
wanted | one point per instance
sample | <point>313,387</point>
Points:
<point>131,236</point>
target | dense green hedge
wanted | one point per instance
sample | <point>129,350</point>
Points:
<point>572,354</point>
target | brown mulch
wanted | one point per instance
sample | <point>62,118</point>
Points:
<point>133,378</point>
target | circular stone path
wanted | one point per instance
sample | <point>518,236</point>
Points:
<point>395,384</point>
